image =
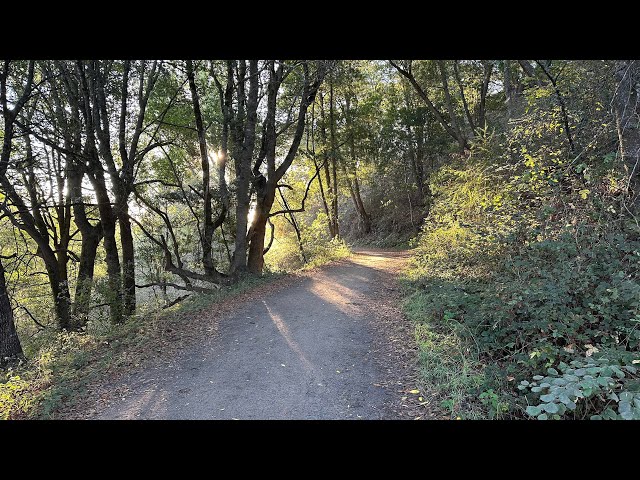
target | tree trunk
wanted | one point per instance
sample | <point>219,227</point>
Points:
<point>128,261</point>
<point>323,197</point>
<point>91,236</point>
<point>265,195</point>
<point>108,222</point>
<point>627,110</point>
<point>334,162</point>
<point>84,280</point>
<point>509,90</point>
<point>10,348</point>
<point>465,104</point>
<point>462,141</point>
<point>207,236</point>
<point>333,220</point>
<point>482,108</point>
<point>247,137</point>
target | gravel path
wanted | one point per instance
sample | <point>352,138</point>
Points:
<point>322,348</point>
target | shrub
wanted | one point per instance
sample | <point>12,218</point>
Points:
<point>594,388</point>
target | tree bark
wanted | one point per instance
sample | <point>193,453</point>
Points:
<point>207,236</point>
<point>627,111</point>
<point>334,162</point>
<point>465,104</point>
<point>10,348</point>
<point>266,187</point>
<point>333,221</point>
<point>22,217</point>
<point>98,144</point>
<point>354,187</point>
<point>508,89</point>
<point>462,140</point>
<point>246,139</point>
<point>482,107</point>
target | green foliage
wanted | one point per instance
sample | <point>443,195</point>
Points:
<point>15,397</point>
<point>529,262</point>
<point>594,388</point>
<point>285,254</point>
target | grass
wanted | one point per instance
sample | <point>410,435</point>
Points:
<point>446,366</point>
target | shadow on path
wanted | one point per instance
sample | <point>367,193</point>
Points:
<point>304,352</point>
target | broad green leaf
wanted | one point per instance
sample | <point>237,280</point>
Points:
<point>626,397</point>
<point>627,415</point>
<point>534,411</point>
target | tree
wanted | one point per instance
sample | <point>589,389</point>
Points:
<point>266,185</point>
<point>23,216</point>
<point>10,348</point>
<point>627,114</point>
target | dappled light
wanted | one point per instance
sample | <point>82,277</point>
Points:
<point>284,331</point>
<point>267,238</point>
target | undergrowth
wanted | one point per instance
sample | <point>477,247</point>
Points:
<point>529,264</point>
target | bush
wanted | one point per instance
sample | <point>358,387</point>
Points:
<point>589,388</point>
<point>529,266</point>
<point>15,397</point>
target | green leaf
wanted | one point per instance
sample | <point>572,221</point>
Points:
<point>549,397</point>
<point>564,398</point>
<point>627,415</point>
<point>552,371</point>
<point>534,411</point>
<point>595,417</point>
<point>543,416</point>
<point>550,407</point>
<point>536,389</point>
<point>538,377</point>
<point>626,397</point>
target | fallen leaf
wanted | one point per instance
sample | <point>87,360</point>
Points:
<point>415,392</point>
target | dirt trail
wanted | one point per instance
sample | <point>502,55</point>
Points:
<point>332,345</point>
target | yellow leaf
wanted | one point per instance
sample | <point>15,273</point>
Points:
<point>415,392</point>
